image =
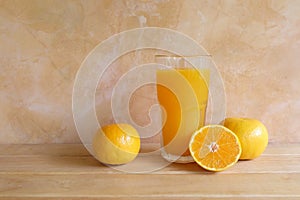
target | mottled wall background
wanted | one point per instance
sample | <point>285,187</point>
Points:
<point>255,44</point>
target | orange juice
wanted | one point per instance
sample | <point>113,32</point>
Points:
<point>183,94</point>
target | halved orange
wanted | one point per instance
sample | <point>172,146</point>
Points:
<point>215,147</point>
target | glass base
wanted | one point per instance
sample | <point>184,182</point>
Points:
<point>176,158</point>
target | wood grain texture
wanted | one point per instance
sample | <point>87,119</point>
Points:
<point>69,172</point>
<point>88,165</point>
<point>151,185</point>
<point>79,149</point>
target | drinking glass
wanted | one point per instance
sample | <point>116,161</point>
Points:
<point>182,92</point>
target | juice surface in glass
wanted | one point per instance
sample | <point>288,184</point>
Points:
<point>183,94</point>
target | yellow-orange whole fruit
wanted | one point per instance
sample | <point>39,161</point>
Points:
<point>252,134</point>
<point>116,144</point>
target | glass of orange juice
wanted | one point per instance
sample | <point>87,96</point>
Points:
<point>182,92</point>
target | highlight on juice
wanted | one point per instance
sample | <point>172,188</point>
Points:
<point>182,92</point>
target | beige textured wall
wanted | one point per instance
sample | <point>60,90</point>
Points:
<point>255,44</point>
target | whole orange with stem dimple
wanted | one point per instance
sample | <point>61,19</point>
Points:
<point>116,144</point>
<point>252,134</point>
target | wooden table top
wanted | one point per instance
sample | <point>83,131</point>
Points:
<point>68,171</point>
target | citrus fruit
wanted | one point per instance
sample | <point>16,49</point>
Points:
<point>252,134</point>
<point>116,144</point>
<point>215,147</point>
